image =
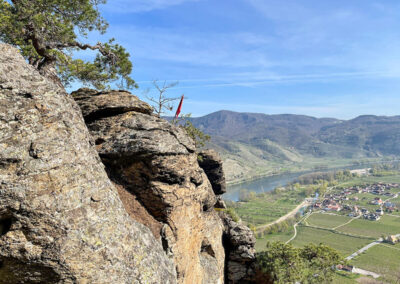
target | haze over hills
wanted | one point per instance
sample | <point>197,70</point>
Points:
<point>254,144</point>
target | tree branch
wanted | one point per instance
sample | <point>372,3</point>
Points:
<point>99,46</point>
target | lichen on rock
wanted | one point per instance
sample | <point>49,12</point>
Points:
<point>156,162</point>
<point>123,202</point>
<point>62,220</point>
<point>239,243</point>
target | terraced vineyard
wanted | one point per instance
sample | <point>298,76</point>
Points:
<point>346,234</point>
<point>387,225</point>
<point>328,221</point>
<point>382,259</point>
<point>343,243</point>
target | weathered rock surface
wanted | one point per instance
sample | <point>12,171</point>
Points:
<point>220,203</point>
<point>61,219</point>
<point>156,162</point>
<point>211,163</point>
<point>102,104</point>
<point>239,242</point>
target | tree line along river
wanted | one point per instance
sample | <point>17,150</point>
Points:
<point>271,182</point>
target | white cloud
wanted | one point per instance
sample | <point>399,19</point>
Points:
<point>254,79</point>
<point>138,6</point>
<point>195,48</point>
<point>275,10</point>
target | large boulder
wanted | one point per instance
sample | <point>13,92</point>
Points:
<point>211,163</point>
<point>61,218</point>
<point>102,104</point>
<point>239,243</point>
<point>156,162</point>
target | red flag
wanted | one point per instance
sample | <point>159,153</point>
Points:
<point>178,111</point>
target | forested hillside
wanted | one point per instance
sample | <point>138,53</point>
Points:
<point>254,144</point>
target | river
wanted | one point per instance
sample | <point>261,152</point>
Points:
<point>271,182</point>
<point>260,185</point>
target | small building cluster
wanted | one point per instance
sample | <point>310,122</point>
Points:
<point>393,239</point>
<point>341,200</point>
<point>348,268</point>
<point>378,189</point>
<point>377,201</point>
<point>372,216</point>
<point>329,205</point>
<point>390,207</point>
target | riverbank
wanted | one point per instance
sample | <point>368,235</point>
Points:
<point>256,177</point>
<point>334,166</point>
<point>315,165</point>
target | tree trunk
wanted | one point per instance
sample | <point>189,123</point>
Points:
<point>49,71</point>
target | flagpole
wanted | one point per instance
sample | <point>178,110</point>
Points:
<point>178,111</point>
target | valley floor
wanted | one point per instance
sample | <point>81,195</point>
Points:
<point>240,170</point>
<point>357,239</point>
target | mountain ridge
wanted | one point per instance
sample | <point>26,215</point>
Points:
<point>253,143</point>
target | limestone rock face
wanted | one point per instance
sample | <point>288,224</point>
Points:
<point>239,242</point>
<point>156,163</point>
<point>61,218</point>
<point>211,163</point>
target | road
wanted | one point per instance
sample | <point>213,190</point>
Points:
<point>295,233</point>
<point>365,272</point>
<point>384,201</point>
<point>295,227</point>
<point>285,217</point>
<point>306,202</point>
<point>352,219</point>
<point>397,216</point>
<point>374,243</point>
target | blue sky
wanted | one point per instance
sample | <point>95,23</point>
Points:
<point>331,58</point>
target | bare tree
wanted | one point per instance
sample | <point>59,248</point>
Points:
<point>160,102</point>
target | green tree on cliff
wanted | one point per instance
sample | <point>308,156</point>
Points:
<point>283,263</point>
<point>50,32</point>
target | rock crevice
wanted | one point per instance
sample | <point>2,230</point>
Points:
<point>124,198</point>
<point>156,163</point>
<point>62,220</point>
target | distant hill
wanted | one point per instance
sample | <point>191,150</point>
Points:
<point>253,143</point>
<point>378,135</point>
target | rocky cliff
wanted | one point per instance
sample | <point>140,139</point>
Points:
<point>155,163</point>
<point>140,209</point>
<point>61,219</point>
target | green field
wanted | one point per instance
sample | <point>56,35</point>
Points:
<point>342,277</point>
<point>387,225</point>
<point>327,220</point>
<point>396,213</point>
<point>258,212</point>
<point>382,260</point>
<point>282,237</point>
<point>266,208</point>
<point>346,245</point>
<point>370,180</point>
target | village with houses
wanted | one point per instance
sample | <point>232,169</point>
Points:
<point>356,213</point>
<point>365,218</point>
<point>370,202</point>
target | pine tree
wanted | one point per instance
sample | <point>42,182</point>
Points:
<point>49,33</point>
